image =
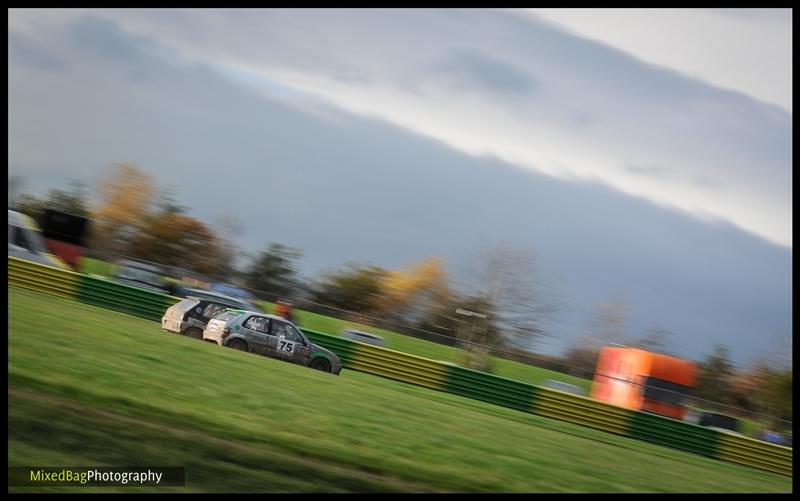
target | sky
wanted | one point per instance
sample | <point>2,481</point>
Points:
<point>643,156</point>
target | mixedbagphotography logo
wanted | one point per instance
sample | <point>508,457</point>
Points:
<point>96,476</point>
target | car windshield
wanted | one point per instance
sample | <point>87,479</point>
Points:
<point>298,333</point>
<point>139,275</point>
<point>37,244</point>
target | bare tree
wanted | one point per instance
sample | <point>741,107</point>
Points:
<point>655,339</point>
<point>607,325</point>
<point>508,291</point>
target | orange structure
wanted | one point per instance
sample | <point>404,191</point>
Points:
<point>643,380</point>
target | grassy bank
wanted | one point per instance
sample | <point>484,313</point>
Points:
<point>90,386</point>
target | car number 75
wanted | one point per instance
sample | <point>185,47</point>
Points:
<point>286,347</point>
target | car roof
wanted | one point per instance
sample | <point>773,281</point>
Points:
<point>267,315</point>
<point>211,296</point>
<point>16,218</point>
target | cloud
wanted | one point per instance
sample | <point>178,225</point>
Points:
<point>468,69</point>
<point>664,173</point>
<point>531,94</point>
<point>746,50</point>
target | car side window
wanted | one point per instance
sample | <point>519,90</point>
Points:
<point>20,239</point>
<point>258,324</point>
<point>211,310</point>
<point>284,330</point>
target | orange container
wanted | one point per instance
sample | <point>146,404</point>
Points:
<point>642,380</point>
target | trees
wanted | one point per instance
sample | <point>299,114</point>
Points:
<point>765,388</point>
<point>408,294</point>
<point>356,288</point>
<point>502,283</point>
<point>505,278</point>
<point>273,270</point>
<point>177,240</point>
<point>656,339</point>
<point>714,376</point>
<point>581,357</point>
<point>136,219</point>
<point>127,197</point>
<point>607,325</point>
<point>775,397</point>
<point>73,201</point>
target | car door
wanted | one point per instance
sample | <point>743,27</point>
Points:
<point>255,329</point>
<point>290,344</point>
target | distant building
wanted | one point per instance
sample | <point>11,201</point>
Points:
<point>642,380</point>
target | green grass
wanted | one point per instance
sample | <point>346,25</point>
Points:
<point>90,266</point>
<point>89,386</point>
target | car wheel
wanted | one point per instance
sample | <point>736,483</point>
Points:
<point>237,344</point>
<point>193,332</point>
<point>321,364</point>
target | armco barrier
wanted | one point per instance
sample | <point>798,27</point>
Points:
<point>762,455</point>
<point>582,410</point>
<point>124,298</point>
<point>672,433</point>
<point>397,365</point>
<point>489,388</point>
<point>440,376</point>
<point>42,278</point>
<point>344,348</point>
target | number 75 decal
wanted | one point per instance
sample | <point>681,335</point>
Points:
<point>285,346</point>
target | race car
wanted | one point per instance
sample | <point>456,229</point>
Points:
<point>271,336</point>
<point>190,316</point>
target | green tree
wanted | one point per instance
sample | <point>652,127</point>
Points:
<point>355,288</point>
<point>773,396</point>
<point>715,376</point>
<point>273,270</point>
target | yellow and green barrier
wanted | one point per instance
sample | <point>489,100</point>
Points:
<point>124,298</point>
<point>582,410</point>
<point>489,388</point>
<point>442,376</point>
<point>42,278</point>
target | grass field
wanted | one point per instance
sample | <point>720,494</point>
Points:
<point>89,386</point>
